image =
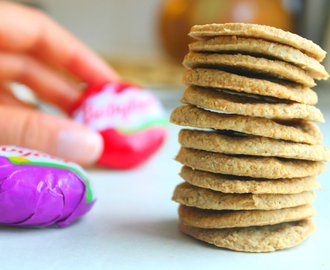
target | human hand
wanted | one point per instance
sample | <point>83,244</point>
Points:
<point>33,49</point>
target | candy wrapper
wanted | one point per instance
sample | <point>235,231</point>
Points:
<point>131,121</point>
<point>40,190</point>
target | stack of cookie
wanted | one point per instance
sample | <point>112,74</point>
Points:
<point>250,165</point>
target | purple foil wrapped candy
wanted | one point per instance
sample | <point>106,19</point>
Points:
<point>40,190</point>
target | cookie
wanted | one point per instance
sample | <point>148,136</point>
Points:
<point>295,130</point>
<point>260,47</point>
<point>258,31</point>
<point>220,79</point>
<point>209,98</point>
<point>252,145</point>
<point>212,219</point>
<point>259,167</point>
<point>254,239</point>
<point>249,65</point>
<point>236,184</point>
<point>203,198</point>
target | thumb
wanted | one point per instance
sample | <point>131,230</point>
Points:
<point>56,136</point>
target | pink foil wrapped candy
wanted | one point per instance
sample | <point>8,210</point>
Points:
<point>131,121</point>
<point>40,190</point>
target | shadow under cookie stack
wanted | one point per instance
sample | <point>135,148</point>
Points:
<point>250,161</point>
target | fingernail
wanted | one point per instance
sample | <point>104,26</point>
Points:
<point>81,146</point>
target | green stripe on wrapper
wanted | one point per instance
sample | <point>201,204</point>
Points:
<point>162,122</point>
<point>89,193</point>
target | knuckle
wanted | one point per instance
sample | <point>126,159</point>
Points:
<point>31,132</point>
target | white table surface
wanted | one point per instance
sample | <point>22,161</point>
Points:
<point>133,225</point>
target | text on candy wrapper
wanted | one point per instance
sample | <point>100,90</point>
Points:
<point>92,113</point>
<point>26,153</point>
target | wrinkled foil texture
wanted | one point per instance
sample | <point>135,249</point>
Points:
<point>34,195</point>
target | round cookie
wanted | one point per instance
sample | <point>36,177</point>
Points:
<point>259,167</point>
<point>212,219</point>
<point>258,31</point>
<point>246,64</point>
<point>220,79</point>
<point>193,196</point>
<point>254,239</point>
<point>209,98</point>
<point>294,130</point>
<point>236,184</point>
<point>252,145</point>
<point>260,47</point>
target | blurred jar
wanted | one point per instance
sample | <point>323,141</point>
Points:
<point>178,16</point>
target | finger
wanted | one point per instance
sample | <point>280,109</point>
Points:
<point>59,137</point>
<point>49,85</point>
<point>6,97</point>
<point>36,33</point>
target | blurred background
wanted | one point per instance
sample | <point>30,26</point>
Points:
<point>146,40</point>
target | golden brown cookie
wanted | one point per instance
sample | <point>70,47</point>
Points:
<point>250,65</point>
<point>258,31</point>
<point>252,145</point>
<point>237,184</point>
<point>259,167</point>
<point>215,219</point>
<point>260,47</point>
<point>209,98</point>
<point>220,79</point>
<point>254,239</point>
<point>297,131</point>
<point>203,198</point>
